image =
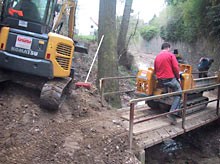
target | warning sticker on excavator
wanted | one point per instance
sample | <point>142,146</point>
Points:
<point>23,42</point>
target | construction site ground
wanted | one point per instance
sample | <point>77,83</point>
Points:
<point>84,132</point>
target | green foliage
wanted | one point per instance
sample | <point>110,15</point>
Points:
<point>189,19</point>
<point>174,2</point>
<point>174,29</point>
<point>85,37</point>
<point>213,17</point>
<point>149,32</point>
<point>193,11</point>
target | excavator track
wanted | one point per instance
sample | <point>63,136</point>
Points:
<point>53,93</point>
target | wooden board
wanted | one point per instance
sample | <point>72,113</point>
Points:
<point>163,121</point>
<point>158,130</point>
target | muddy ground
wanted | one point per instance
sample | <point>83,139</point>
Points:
<point>81,132</point>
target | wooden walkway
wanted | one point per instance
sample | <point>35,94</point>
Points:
<point>155,131</point>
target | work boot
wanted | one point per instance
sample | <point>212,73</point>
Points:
<point>172,119</point>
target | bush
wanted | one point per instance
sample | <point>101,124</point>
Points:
<point>149,32</point>
<point>187,20</point>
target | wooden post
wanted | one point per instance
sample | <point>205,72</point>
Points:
<point>184,110</point>
<point>131,125</point>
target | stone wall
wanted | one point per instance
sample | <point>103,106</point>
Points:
<point>190,52</point>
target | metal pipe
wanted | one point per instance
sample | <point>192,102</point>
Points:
<point>110,93</point>
<point>206,78</point>
<point>123,77</point>
<point>184,110</point>
<point>179,110</point>
<point>173,94</point>
<point>199,72</point>
<point>157,116</point>
<point>217,107</point>
<point>102,91</point>
<point>131,125</point>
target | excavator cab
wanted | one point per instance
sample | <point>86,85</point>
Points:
<point>29,15</point>
<point>28,46</point>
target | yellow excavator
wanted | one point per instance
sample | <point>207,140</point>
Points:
<point>147,85</point>
<point>31,50</point>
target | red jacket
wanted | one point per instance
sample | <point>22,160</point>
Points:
<point>166,66</point>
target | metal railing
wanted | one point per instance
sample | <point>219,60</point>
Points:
<point>103,93</point>
<point>183,110</point>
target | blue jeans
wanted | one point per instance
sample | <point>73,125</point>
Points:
<point>175,86</point>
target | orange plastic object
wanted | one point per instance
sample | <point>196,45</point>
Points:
<point>12,11</point>
<point>145,81</point>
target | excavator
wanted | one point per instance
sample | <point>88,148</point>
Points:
<point>147,85</point>
<point>32,52</point>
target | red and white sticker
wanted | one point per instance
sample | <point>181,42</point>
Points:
<point>144,73</point>
<point>23,42</point>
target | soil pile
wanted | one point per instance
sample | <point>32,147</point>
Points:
<point>81,132</point>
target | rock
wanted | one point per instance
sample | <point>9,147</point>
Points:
<point>89,146</point>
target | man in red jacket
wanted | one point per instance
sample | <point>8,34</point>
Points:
<point>167,72</point>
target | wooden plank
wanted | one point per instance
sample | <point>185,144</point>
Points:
<point>163,121</point>
<point>171,131</point>
<point>179,129</point>
<point>139,112</point>
<point>192,124</point>
<point>155,131</point>
<point>156,137</point>
<point>150,125</point>
<point>163,133</point>
<point>153,139</point>
<point>147,141</point>
<point>153,134</point>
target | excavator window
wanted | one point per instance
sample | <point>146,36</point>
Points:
<point>30,10</point>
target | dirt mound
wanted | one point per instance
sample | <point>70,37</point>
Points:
<point>82,101</point>
<point>81,132</point>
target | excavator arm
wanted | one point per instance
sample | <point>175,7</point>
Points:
<point>67,5</point>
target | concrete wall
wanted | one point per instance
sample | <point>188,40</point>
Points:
<point>191,52</point>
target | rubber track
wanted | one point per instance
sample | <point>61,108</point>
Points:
<point>194,99</point>
<point>53,93</point>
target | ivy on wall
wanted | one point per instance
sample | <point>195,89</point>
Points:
<point>189,19</point>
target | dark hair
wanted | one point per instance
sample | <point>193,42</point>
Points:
<point>175,51</point>
<point>165,45</point>
<point>211,60</point>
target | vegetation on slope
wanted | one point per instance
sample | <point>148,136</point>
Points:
<point>186,20</point>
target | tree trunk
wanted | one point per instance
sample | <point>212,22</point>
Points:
<point>107,57</point>
<point>122,37</point>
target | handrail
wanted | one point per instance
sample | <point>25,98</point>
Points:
<point>173,94</point>
<point>185,94</point>
<point>101,83</point>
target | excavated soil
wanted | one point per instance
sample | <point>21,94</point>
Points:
<point>81,132</point>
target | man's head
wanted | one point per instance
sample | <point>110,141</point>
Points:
<point>175,51</point>
<point>211,60</point>
<point>165,46</point>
